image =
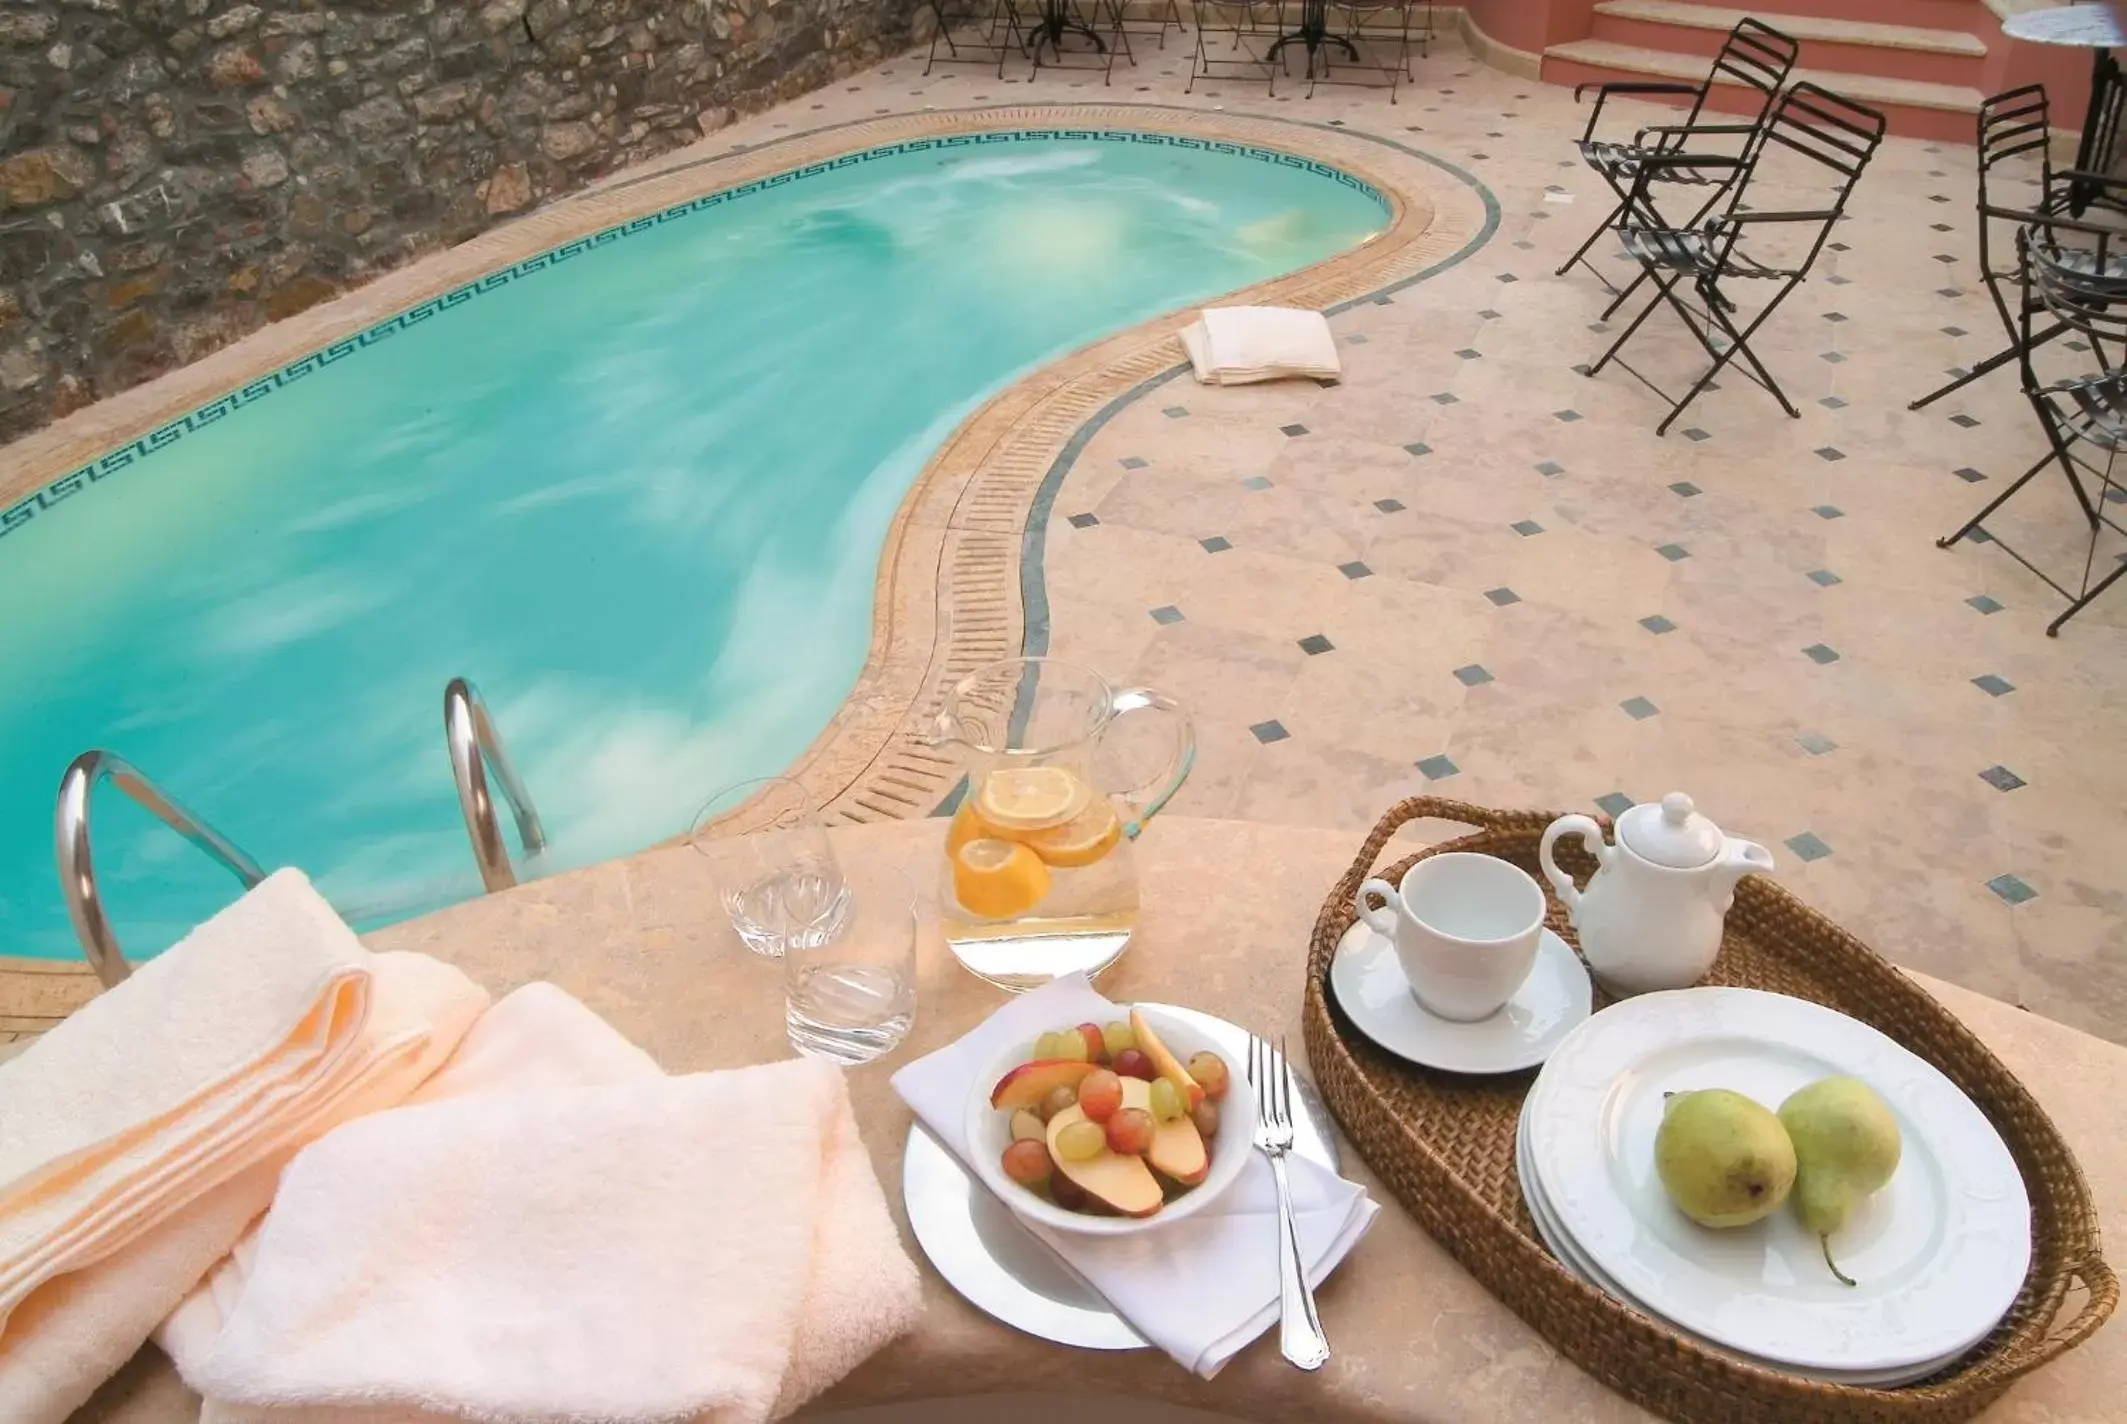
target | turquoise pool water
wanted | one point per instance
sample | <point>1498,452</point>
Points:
<point>637,490</point>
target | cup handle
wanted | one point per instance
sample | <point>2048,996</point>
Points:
<point>1591,836</point>
<point>1144,699</point>
<point>1382,917</point>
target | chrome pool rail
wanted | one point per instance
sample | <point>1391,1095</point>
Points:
<point>475,748</point>
<point>77,869</point>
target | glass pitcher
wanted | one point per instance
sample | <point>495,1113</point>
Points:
<point>1039,878</point>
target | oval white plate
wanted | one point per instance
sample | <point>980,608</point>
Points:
<point>1371,989</point>
<point>1575,1260</point>
<point>1939,1253</point>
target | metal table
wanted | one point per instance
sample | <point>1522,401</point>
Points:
<point>2096,28</point>
<point>1057,20</point>
<point>1313,33</point>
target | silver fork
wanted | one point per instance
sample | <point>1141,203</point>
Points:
<point>1300,1335</point>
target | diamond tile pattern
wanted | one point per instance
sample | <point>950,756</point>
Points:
<point>1615,804</point>
<point>1472,676</point>
<point>1267,732</point>
<point>1438,768</point>
<point>1808,847</point>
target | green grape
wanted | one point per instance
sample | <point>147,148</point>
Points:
<point>1166,1102</point>
<point>1071,1044</point>
<point>1119,1037</point>
<point>1081,1140</point>
<point>1027,1126</point>
<point>1046,1048</point>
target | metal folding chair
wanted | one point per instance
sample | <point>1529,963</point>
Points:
<point>974,32</point>
<point>1155,24</point>
<point>1380,34</point>
<point>1047,22</point>
<point>2011,124</point>
<point>1235,35</point>
<point>1831,133</point>
<point>1755,56</point>
<point>2075,274</point>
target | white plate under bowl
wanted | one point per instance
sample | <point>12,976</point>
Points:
<point>989,1132</point>
<point>1573,1259</point>
<point>1940,1253</point>
<point>1370,986</point>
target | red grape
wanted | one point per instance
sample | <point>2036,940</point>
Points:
<point>1027,1163</point>
<point>1096,1047</point>
<point>1056,1101</point>
<point>1206,1117</point>
<point>1132,1063</point>
<point>1130,1130</point>
<point>1100,1093</point>
<point>1210,1073</point>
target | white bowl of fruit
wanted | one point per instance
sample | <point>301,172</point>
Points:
<point>1108,1130</point>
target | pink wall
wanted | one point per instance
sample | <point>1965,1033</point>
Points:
<point>1531,24</point>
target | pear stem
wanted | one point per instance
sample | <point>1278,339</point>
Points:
<point>1825,1241</point>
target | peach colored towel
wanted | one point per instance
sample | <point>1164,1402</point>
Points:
<point>145,1132</point>
<point>712,1247</point>
<point>533,1040</point>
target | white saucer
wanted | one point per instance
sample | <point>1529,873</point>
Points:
<point>1370,987</point>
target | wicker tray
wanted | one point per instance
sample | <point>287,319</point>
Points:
<point>1444,1145</point>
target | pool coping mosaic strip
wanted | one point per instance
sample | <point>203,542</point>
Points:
<point>959,578</point>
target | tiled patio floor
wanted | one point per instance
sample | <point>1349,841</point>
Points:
<point>1470,570</point>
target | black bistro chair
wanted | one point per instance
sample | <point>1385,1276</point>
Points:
<point>1836,138</point>
<point>1755,56</point>
<point>1233,39</point>
<point>2075,276</point>
<point>974,32</point>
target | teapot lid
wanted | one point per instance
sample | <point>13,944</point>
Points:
<point>1671,834</point>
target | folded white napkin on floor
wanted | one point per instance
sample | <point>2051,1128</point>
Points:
<point>713,1247</point>
<point>1199,1288</point>
<point>1233,346</point>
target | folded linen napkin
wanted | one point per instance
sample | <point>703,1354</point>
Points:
<point>537,1038</point>
<point>1233,346</point>
<point>711,1247</point>
<point>147,1130</point>
<point>1199,1288</point>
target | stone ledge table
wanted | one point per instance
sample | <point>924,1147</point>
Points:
<point>1228,907</point>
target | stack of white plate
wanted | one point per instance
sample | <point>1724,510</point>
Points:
<point>1937,1256</point>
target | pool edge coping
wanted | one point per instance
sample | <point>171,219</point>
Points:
<point>970,530</point>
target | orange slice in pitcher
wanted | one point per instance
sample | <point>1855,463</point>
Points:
<point>1081,841</point>
<point>1031,798</point>
<point>998,879</point>
<point>967,826</point>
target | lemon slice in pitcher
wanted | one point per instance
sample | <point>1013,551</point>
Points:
<point>998,879</point>
<point>1031,798</point>
<point>1081,841</point>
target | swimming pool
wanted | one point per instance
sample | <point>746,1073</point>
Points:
<point>636,488</point>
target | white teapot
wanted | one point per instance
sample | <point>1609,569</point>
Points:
<point>1652,913</point>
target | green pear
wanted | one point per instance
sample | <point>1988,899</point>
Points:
<point>1846,1148</point>
<point>1724,1160</point>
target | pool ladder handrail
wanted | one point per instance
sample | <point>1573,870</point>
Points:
<point>475,748</point>
<point>77,868</point>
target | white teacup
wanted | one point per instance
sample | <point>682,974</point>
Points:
<point>1465,927</point>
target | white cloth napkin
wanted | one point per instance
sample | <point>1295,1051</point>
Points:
<point>1199,1288</point>
<point>1234,346</point>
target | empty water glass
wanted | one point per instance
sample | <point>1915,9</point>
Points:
<point>774,869</point>
<point>850,994</point>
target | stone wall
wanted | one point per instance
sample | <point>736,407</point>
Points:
<point>176,173</point>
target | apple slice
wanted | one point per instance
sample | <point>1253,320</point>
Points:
<point>1165,1063</point>
<point>1177,1152</point>
<point>1122,1183</point>
<point>1029,1083</point>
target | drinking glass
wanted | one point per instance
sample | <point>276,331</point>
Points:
<point>774,869</point>
<point>850,992</point>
